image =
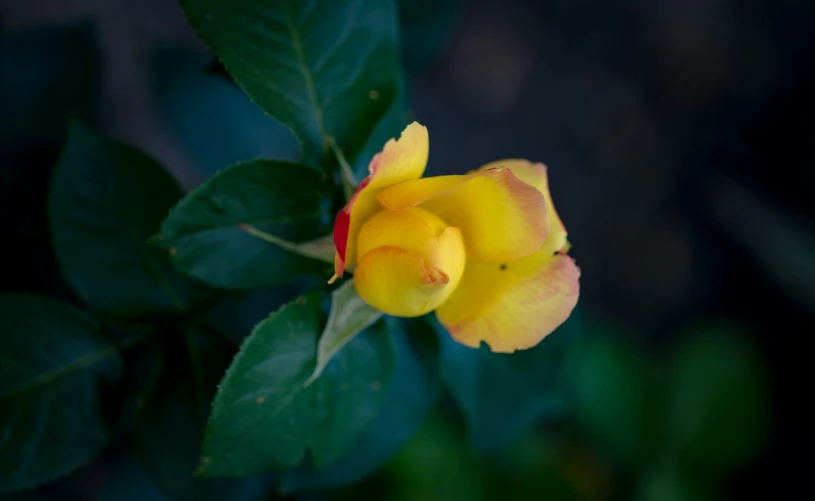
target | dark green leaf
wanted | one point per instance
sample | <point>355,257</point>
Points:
<point>49,74</point>
<point>212,233</point>
<point>323,68</point>
<point>228,129</point>
<point>413,389</point>
<point>237,313</point>
<point>54,364</point>
<point>501,395</point>
<point>170,429</point>
<point>264,417</point>
<point>612,395</point>
<point>389,126</point>
<point>349,316</point>
<point>717,400</point>
<point>106,200</point>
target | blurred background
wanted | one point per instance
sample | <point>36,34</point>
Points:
<point>681,150</point>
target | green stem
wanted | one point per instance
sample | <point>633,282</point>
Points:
<point>308,249</point>
<point>349,182</point>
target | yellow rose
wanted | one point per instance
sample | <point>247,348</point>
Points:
<point>485,250</point>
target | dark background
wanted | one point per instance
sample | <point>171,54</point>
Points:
<point>679,138</point>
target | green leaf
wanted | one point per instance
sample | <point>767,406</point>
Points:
<point>717,412</point>
<point>389,126</point>
<point>238,312</point>
<point>170,428</point>
<point>229,129</point>
<point>106,200</point>
<point>212,233</point>
<point>54,365</point>
<point>413,389</point>
<point>264,417</point>
<point>349,316</point>
<point>612,395</point>
<point>501,395</point>
<point>323,68</point>
<point>49,74</point>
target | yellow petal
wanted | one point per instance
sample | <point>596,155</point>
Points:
<point>410,262</point>
<point>501,218</point>
<point>535,174</point>
<point>400,160</point>
<point>511,306</point>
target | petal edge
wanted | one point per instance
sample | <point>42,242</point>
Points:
<point>516,312</point>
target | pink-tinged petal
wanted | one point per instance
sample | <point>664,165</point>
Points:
<point>501,218</point>
<point>400,160</point>
<point>535,174</point>
<point>512,306</point>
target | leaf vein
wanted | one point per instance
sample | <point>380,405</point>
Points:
<point>308,77</point>
<point>341,39</point>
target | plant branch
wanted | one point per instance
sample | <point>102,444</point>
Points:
<point>349,182</point>
<point>321,249</point>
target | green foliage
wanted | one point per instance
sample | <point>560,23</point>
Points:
<point>501,395</point>
<point>389,126</point>
<point>172,416</point>
<point>325,69</point>
<point>228,130</point>
<point>265,416</point>
<point>716,414</point>
<point>55,365</point>
<point>413,389</point>
<point>237,313</point>
<point>212,234</point>
<point>679,427</point>
<point>182,376</point>
<point>349,316</point>
<point>612,396</point>
<point>106,200</point>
